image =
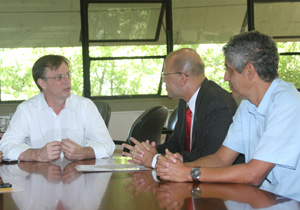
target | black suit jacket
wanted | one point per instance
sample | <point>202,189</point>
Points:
<point>214,110</point>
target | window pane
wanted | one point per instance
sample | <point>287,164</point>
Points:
<point>289,66</point>
<point>125,77</point>
<point>289,47</point>
<point>127,21</point>
<point>126,51</point>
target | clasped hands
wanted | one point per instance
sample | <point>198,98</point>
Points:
<point>168,167</point>
<point>51,151</point>
<point>142,153</point>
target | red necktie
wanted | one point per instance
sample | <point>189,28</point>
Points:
<point>188,120</point>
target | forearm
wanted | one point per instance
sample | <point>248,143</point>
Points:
<point>252,173</point>
<point>30,155</point>
<point>87,153</point>
<point>223,157</point>
<point>231,174</point>
<point>207,161</point>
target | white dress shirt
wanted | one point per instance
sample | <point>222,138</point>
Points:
<point>35,124</point>
<point>192,104</point>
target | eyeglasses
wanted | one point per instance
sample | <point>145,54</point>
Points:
<point>60,77</point>
<point>164,75</point>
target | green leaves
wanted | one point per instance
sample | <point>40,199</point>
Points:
<point>125,76</point>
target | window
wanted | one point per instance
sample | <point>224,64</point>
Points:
<point>124,47</point>
<point>119,49</point>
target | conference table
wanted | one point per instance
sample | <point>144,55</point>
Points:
<point>59,185</point>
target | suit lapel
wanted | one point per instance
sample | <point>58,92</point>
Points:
<point>199,100</point>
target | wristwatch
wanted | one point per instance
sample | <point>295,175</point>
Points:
<point>195,174</point>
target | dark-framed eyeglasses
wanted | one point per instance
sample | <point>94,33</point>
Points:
<point>164,75</point>
<point>60,77</point>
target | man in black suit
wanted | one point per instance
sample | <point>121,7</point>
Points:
<point>212,110</point>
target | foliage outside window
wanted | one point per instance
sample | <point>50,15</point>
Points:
<point>126,76</point>
<point>122,77</point>
<point>16,66</point>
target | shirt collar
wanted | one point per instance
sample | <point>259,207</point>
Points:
<point>192,102</point>
<point>43,103</point>
<point>69,104</point>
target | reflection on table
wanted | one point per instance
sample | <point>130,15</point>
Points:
<point>57,185</point>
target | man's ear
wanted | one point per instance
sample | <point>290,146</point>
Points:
<point>41,83</point>
<point>183,79</point>
<point>250,71</point>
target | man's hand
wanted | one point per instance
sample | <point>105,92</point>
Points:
<point>51,151</point>
<point>1,156</point>
<point>178,156</point>
<point>171,169</point>
<point>142,153</point>
<point>74,151</point>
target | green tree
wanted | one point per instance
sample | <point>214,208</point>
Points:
<point>122,77</point>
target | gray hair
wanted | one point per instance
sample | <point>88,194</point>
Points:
<point>255,48</point>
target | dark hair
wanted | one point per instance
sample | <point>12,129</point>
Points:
<point>255,48</point>
<point>51,61</point>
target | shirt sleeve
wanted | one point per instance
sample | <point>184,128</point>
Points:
<point>96,132</point>
<point>13,142</point>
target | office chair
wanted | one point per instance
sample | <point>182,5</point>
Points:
<point>105,110</point>
<point>148,126</point>
<point>170,124</point>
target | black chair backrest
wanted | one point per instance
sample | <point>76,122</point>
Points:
<point>172,120</point>
<point>170,124</point>
<point>149,125</point>
<point>104,109</point>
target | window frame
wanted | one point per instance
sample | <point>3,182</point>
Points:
<point>86,43</point>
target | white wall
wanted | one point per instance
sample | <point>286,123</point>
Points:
<point>120,123</point>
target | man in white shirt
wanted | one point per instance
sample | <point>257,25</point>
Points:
<point>56,123</point>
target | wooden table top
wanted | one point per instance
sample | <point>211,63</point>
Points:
<point>59,185</point>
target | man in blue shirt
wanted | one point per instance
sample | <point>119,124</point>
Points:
<point>265,126</point>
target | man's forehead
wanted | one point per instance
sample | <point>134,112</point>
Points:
<point>61,69</point>
<point>168,64</point>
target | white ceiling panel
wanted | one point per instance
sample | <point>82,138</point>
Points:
<point>56,23</point>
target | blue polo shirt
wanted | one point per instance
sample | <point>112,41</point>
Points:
<point>271,133</point>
